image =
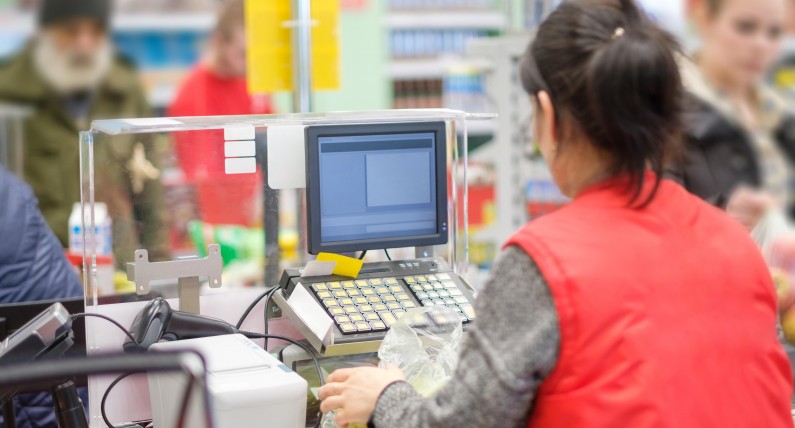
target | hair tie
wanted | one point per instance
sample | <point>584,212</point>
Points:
<point>618,33</point>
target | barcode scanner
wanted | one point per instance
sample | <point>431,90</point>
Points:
<point>157,322</point>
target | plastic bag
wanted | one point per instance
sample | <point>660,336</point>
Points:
<point>775,237</point>
<point>424,344</point>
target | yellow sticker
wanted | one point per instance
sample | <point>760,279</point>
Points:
<point>346,266</point>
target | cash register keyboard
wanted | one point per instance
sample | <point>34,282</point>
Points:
<point>375,304</point>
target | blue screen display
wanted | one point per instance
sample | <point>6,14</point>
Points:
<point>377,186</point>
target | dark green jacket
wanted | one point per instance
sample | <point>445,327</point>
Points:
<point>52,154</point>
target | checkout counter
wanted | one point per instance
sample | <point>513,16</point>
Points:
<point>302,189</point>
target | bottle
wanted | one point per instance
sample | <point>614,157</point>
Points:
<point>102,230</point>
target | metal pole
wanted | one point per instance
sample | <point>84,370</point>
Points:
<point>302,91</point>
<point>302,56</point>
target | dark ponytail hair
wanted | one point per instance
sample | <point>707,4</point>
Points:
<point>612,71</point>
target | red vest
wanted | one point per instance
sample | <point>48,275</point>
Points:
<point>667,316</point>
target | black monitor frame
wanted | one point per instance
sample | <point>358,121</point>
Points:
<point>313,135</point>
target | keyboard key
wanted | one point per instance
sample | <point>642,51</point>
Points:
<point>396,289</point>
<point>376,282</point>
<point>363,326</point>
<point>340,294</point>
<point>379,307</point>
<point>402,296</point>
<point>373,299</point>
<point>372,316</point>
<point>430,278</point>
<point>356,318</point>
<point>433,295</point>
<point>320,286</point>
<point>361,283</point>
<point>438,286</point>
<point>449,301</point>
<point>461,300</point>
<point>388,298</point>
<point>464,318</point>
<point>421,278</point>
<point>348,285</point>
<point>324,294</point>
<point>347,328</point>
<point>455,292</point>
<point>393,306</point>
<point>449,285</point>
<point>367,291</point>
<point>456,308</point>
<point>354,292</point>
<point>444,294</point>
<point>365,308</point>
<point>388,318</point>
<point>408,304</point>
<point>342,319</point>
<point>442,276</point>
<point>438,302</point>
<point>427,287</point>
<point>360,301</point>
<point>334,286</point>
<point>377,325</point>
<point>409,280</point>
<point>426,303</point>
<point>351,310</point>
<point>337,311</point>
<point>399,313</point>
<point>416,288</point>
<point>346,302</point>
<point>390,281</point>
<point>469,311</point>
<point>382,290</point>
<point>422,295</point>
<point>330,303</point>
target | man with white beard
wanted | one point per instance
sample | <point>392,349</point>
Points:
<point>70,75</point>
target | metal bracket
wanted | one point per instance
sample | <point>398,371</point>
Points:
<point>187,270</point>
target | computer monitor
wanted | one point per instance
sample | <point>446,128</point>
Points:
<point>376,186</point>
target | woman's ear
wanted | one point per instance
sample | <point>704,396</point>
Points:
<point>549,123</point>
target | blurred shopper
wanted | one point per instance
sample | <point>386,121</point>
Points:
<point>69,75</point>
<point>217,86</point>
<point>740,135</point>
<point>636,305</point>
<point>32,267</point>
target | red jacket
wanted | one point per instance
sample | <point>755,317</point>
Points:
<point>667,316</point>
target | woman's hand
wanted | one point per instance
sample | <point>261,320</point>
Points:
<point>353,393</point>
<point>748,206</point>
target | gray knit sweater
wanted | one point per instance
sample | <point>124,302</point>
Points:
<point>508,352</point>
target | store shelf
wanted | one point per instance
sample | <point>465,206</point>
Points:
<point>430,68</point>
<point>472,20</point>
<point>25,23</point>
<point>173,21</point>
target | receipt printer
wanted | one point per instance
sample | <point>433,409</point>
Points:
<point>247,386</point>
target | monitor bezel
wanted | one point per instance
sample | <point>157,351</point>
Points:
<point>313,135</point>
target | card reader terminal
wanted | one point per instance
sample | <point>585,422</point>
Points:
<point>363,309</point>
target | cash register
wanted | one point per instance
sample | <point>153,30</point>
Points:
<point>373,187</point>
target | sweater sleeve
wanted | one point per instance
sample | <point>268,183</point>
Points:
<point>511,348</point>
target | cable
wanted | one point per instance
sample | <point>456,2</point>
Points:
<point>253,304</point>
<point>306,349</point>
<point>110,320</point>
<point>361,256</point>
<point>387,254</point>
<point>107,393</point>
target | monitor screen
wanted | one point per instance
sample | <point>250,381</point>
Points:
<point>376,186</point>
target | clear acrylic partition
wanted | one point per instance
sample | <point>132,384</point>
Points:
<point>165,189</point>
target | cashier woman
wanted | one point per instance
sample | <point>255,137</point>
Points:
<point>638,304</point>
